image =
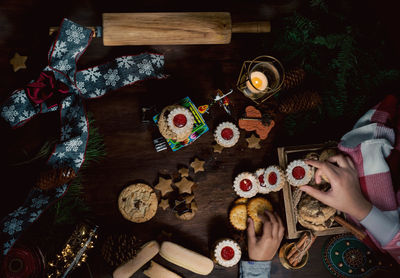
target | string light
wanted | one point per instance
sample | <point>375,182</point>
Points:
<point>80,241</point>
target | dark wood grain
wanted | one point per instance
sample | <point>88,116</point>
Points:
<point>195,71</point>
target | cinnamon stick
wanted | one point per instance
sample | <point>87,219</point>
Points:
<point>355,231</point>
<point>297,246</point>
<point>296,258</point>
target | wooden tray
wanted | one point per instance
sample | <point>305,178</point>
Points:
<point>293,229</point>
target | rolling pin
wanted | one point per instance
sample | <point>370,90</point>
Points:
<point>174,28</point>
<point>171,28</point>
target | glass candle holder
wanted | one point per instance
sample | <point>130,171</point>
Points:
<point>261,78</point>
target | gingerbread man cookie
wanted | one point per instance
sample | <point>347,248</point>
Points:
<point>254,122</point>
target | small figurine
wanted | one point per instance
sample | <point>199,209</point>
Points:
<point>223,101</point>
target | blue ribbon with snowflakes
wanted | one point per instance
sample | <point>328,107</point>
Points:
<point>93,82</point>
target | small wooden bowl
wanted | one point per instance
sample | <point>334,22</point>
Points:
<point>284,251</point>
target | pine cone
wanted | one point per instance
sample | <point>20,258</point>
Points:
<point>299,102</point>
<point>117,249</point>
<point>293,78</point>
<point>55,177</point>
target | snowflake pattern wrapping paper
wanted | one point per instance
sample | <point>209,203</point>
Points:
<point>94,82</point>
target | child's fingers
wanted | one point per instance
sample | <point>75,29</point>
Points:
<point>274,224</point>
<point>317,194</point>
<point>251,233</point>
<point>340,160</point>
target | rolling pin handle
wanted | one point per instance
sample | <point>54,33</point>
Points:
<point>252,27</point>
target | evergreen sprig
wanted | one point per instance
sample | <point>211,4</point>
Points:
<point>72,206</point>
<point>346,61</point>
<point>56,224</point>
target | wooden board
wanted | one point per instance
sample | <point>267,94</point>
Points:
<point>166,28</point>
<point>293,230</point>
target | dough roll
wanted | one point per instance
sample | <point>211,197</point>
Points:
<point>186,258</point>
<point>146,253</point>
<point>158,271</point>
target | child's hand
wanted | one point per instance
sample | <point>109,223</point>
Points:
<point>265,247</point>
<point>345,193</point>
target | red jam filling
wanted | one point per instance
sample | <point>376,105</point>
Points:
<point>227,133</point>
<point>261,179</point>
<point>180,120</point>
<point>272,178</point>
<point>298,172</point>
<point>246,185</point>
<point>227,253</point>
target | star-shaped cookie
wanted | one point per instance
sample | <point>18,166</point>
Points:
<point>164,204</point>
<point>164,185</point>
<point>217,148</point>
<point>197,165</point>
<point>18,62</point>
<point>185,185</point>
<point>189,198</point>
<point>184,172</point>
<point>194,206</point>
<point>253,142</point>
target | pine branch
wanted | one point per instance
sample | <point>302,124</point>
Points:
<point>321,4</point>
<point>56,223</point>
<point>42,154</point>
<point>72,205</point>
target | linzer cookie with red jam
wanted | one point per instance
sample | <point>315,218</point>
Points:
<point>176,123</point>
<point>226,134</point>
<point>298,173</point>
<point>226,252</point>
<point>246,185</point>
<point>260,176</point>
<point>274,178</point>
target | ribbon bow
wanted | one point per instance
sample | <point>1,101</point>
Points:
<point>62,87</point>
<point>46,88</point>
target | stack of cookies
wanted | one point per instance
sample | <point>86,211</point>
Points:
<point>254,207</point>
<point>311,213</point>
<point>315,215</point>
<point>178,193</point>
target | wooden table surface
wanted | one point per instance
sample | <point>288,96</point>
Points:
<point>195,71</point>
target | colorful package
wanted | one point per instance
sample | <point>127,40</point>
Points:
<point>199,128</point>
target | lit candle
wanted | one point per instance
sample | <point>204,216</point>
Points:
<point>259,81</point>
